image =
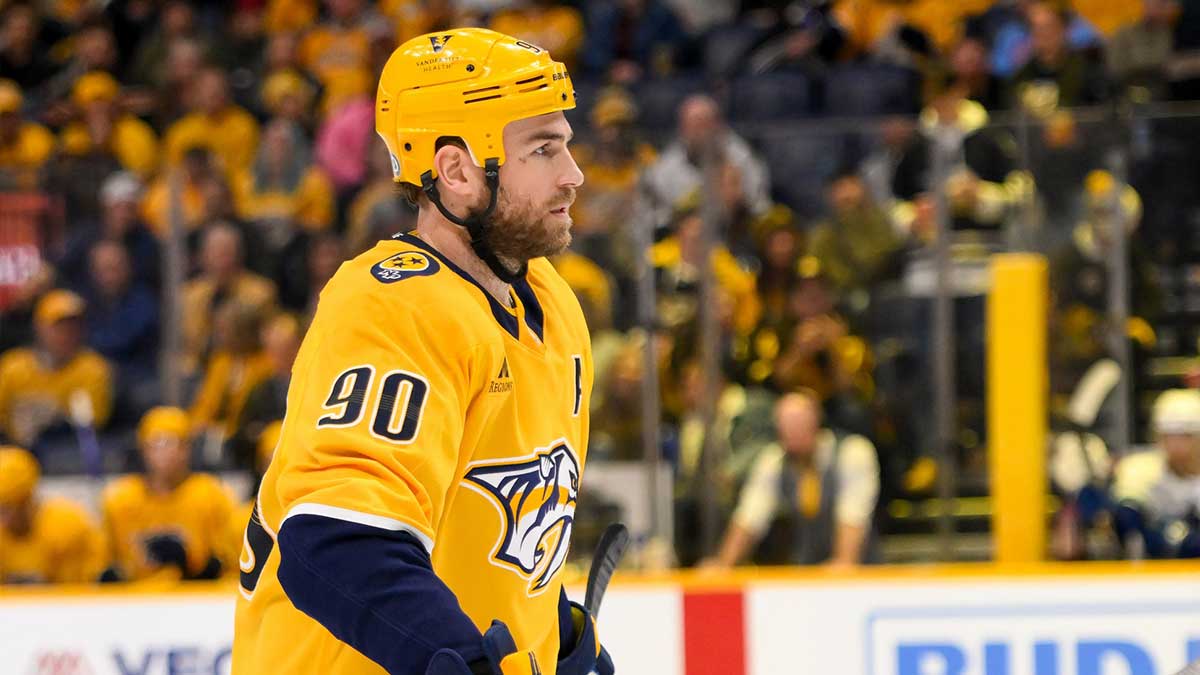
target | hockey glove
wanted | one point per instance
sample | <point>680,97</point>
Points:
<point>167,549</point>
<point>586,656</point>
<point>502,657</point>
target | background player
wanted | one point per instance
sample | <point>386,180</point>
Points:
<point>429,463</point>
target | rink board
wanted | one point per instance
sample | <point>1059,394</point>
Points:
<point>1098,619</point>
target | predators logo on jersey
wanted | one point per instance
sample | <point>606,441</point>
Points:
<point>536,499</point>
<point>404,266</point>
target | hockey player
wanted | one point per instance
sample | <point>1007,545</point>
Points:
<point>418,510</point>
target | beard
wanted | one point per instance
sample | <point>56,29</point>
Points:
<point>519,231</point>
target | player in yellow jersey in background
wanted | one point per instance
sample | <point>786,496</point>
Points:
<point>42,541</point>
<point>168,523</point>
<point>418,510</point>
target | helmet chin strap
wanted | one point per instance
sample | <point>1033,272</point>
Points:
<point>477,224</point>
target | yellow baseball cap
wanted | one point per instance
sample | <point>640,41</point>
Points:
<point>95,86</point>
<point>164,420</point>
<point>11,98</point>
<point>282,84</point>
<point>19,474</point>
<point>57,305</point>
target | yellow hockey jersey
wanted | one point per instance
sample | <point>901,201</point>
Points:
<point>420,404</point>
<point>197,512</point>
<point>63,546</point>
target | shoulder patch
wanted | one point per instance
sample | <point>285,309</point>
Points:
<point>404,265</point>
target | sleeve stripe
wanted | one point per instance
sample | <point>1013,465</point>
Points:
<point>361,518</point>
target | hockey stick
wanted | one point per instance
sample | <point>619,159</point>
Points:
<point>609,550</point>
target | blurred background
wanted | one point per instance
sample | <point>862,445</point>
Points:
<point>864,277</point>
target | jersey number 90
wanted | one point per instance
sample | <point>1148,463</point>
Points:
<point>397,405</point>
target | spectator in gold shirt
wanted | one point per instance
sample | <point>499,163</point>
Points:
<point>236,366</point>
<point>613,162</point>
<point>196,173</point>
<point>103,127</point>
<point>169,522</point>
<point>56,380</point>
<point>337,51</point>
<point>216,123</point>
<point>42,541</point>
<point>283,190</point>
<point>223,277</point>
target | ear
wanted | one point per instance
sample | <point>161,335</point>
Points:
<point>457,174</point>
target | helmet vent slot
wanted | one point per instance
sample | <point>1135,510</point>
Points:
<point>482,98</point>
<point>532,79</point>
<point>479,91</point>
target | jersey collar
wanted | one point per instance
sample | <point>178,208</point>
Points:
<point>532,309</point>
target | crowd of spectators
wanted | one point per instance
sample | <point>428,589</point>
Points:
<point>228,147</point>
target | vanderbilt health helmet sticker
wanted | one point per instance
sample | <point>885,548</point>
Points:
<point>404,265</point>
<point>535,496</point>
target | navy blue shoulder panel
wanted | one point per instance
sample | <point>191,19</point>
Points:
<point>375,590</point>
<point>534,316</point>
<point>503,317</point>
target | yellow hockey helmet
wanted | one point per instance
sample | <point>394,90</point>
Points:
<point>467,83</point>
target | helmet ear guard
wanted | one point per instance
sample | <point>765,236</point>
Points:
<point>467,83</point>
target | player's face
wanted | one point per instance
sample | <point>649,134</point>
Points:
<point>538,182</point>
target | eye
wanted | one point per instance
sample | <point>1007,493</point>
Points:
<point>544,150</point>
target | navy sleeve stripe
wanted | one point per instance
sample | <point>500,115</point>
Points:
<point>374,589</point>
<point>361,518</point>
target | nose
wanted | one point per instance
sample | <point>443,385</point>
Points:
<point>573,176</point>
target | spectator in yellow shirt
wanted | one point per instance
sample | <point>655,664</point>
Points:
<point>58,378</point>
<point>102,127</point>
<point>337,51</point>
<point>196,173</point>
<point>286,94</point>
<point>284,189</point>
<point>42,541</point>
<point>24,146</point>
<point>679,261</point>
<point>266,401</point>
<point>613,163</point>
<point>216,123</point>
<point>548,24</point>
<point>223,276</point>
<point>237,365</point>
<point>168,523</point>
